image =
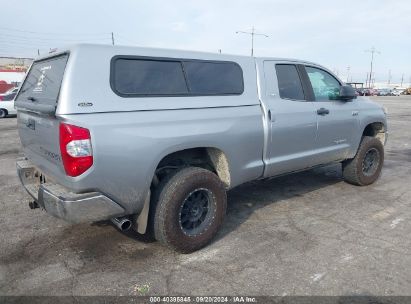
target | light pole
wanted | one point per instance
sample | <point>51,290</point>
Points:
<point>252,33</point>
<point>372,51</point>
<point>348,72</point>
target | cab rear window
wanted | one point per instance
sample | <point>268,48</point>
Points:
<point>42,84</point>
<point>134,77</point>
<point>289,82</point>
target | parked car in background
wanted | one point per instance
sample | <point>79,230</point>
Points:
<point>397,92</point>
<point>367,92</point>
<point>384,92</point>
<point>359,91</point>
<point>7,105</point>
<point>10,91</point>
<point>370,92</point>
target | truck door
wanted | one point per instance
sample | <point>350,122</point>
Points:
<point>338,127</point>
<point>291,119</point>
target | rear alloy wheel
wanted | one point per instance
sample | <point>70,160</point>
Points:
<point>365,168</point>
<point>196,211</point>
<point>189,209</point>
<point>3,113</point>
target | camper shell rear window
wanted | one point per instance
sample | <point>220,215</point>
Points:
<point>133,76</point>
<point>42,84</point>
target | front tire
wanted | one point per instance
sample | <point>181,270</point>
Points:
<point>189,209</point>
<point>3,113</point>
<point>365,168</point>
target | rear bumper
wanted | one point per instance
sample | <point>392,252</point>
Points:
<point>61,203</point>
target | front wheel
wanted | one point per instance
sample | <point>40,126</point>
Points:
<point>189,209</point>
<point>3,113</point>
<point>365,168</point>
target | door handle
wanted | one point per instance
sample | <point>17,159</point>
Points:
<point>271,117</point>
<point>323,111</point>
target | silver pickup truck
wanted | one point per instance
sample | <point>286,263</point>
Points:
<point>152,139</point>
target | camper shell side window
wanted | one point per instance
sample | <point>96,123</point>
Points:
<point>134,76</point>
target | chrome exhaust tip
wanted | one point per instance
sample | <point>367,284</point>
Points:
<point>122,223</point>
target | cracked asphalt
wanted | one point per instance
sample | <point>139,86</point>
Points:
<point>304,234</point>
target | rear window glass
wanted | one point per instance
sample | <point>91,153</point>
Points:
<point>43,82</point>
<point>141,77</point>
<point>9,97</point>
<point>289,82</point>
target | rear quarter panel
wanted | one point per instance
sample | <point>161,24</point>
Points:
<point>128,146</point>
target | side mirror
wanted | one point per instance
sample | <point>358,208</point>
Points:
<point>347,93</point>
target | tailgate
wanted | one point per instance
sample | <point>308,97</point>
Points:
<point>36,103</point>
<point>39,137</point>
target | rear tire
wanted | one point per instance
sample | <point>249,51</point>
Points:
<point>189,209</point>
<point>3,113</point>
<point>365,168</point>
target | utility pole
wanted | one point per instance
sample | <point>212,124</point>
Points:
<point>389,77</point>
<point>402,79</point>
<point>38,52</point>
<point>372,51</point>
<point>252,33</point>
<point>348,72</point>
<point>112,38</point>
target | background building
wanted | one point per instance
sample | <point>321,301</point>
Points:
<point>12,71</point>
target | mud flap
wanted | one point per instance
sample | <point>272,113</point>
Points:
<point>142,219</point>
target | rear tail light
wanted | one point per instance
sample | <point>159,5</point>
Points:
<point>1,98</point>
<point>75,148</point>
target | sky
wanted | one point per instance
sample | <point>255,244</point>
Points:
<point>335,34</point>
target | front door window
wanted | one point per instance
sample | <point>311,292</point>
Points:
<point>325,86</point>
